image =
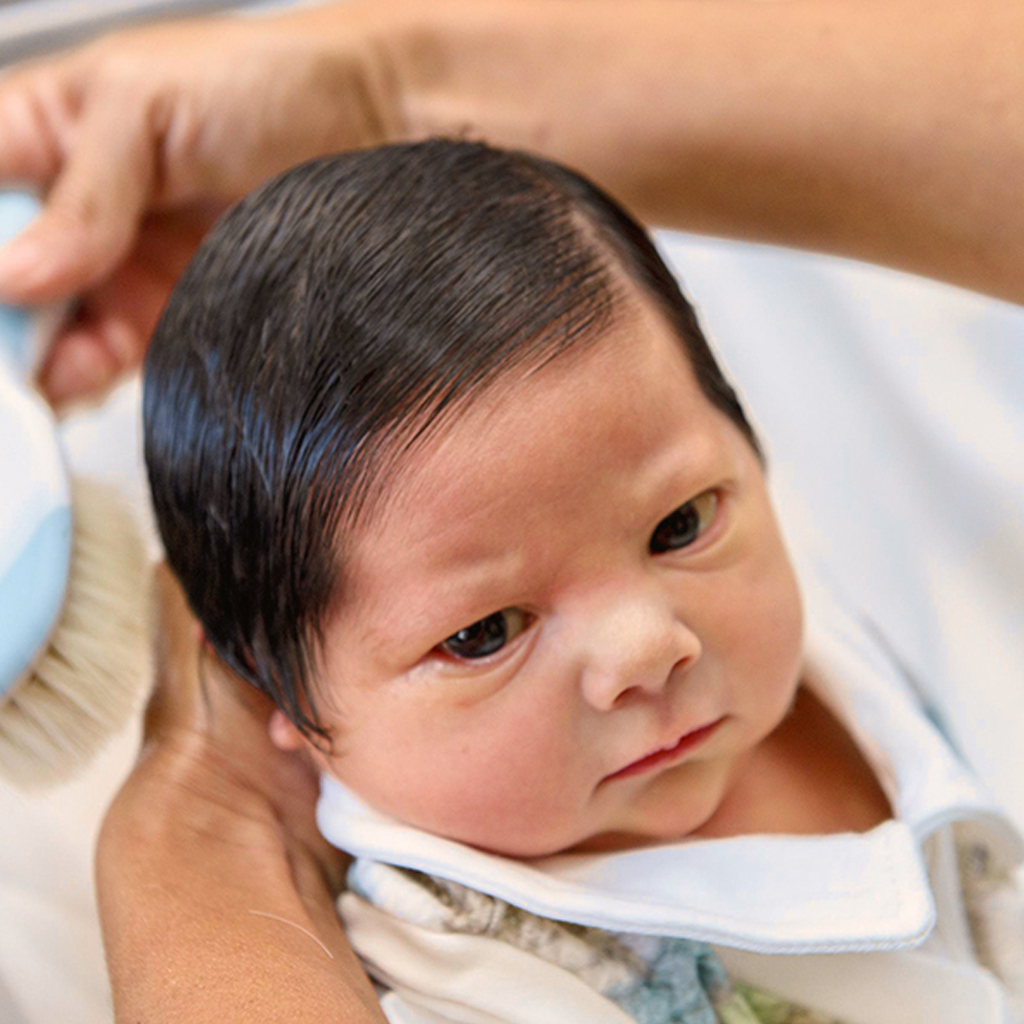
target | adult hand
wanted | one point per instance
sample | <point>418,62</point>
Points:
<point>139,139</point>
<point>215,889</point>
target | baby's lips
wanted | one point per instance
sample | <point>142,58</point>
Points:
<point>660,755</point>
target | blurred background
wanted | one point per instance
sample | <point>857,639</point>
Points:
<point>30,28</point>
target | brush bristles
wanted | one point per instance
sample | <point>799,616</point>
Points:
<point>85,685</point>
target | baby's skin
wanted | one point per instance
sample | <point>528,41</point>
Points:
<point>571,623</point>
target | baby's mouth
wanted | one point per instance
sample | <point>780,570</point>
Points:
<point>660,758</point>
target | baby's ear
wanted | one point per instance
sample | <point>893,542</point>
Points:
<point>283,733</point>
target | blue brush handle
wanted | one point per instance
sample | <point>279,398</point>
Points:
<point>17,346</point>
<point>35,508</point>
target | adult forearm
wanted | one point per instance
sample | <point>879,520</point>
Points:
<point>197,932</point>
<point>206,917</point>
<point>890,130</point>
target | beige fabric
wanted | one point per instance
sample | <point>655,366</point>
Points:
<point>444,978</point>
<point>466,979</point>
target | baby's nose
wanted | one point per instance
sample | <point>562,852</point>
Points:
<point>633,647</point>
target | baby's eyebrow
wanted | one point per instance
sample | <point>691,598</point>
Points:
<point>445,596</point>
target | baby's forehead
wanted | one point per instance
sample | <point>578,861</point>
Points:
<point>607,436</point>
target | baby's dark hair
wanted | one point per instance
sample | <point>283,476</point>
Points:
<point>330,319</point>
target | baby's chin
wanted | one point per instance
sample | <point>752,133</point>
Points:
<point>606,840</point>
<point>519,847</point>
<point>679,804</point>
<point>613,842</point>
<point>616,840</point>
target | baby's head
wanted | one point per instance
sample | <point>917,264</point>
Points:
<point>447,469</point>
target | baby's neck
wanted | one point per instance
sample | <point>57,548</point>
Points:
<point>807,778</point>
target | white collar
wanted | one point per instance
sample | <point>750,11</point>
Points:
<point>850,892</point>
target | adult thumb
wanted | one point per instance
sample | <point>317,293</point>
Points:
<point>92,211</point>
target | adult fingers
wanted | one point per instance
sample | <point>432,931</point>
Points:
<point>94,206</point>
<point>108,333</point>
<point>201,709</point>
<point>39,103</point>
<point>84,361</point>
<point>176,700</point>
<point>195,691</point>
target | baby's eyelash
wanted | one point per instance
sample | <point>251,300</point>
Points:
<point>486,636</point>
<point>686,524</point>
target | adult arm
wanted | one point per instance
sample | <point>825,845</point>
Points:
<point>890,130</point>
<point>215,891</point>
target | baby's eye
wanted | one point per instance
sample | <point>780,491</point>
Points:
<point>684,525</point>
<point>486,636</point>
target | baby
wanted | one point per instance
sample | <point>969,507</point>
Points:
<point>447,469</point>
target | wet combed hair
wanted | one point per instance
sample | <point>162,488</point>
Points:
<point>329,318</point>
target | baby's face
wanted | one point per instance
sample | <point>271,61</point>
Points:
<point>573,618</point>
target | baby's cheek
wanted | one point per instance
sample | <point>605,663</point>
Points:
<point>754,632</point>
<point>776,649</point>
<point>514,789</point>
